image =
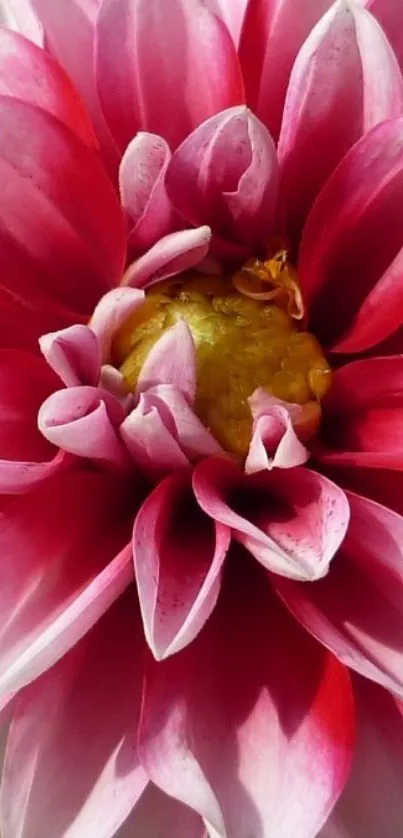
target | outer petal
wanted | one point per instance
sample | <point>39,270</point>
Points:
<point>178,556</point>
<point>143,193</point>
<point>61,224</point>
<point>371,804</point>
<point>158,816</point>
<point>60,574</point>
<point>193,51</point>
<point>352,237</point>
<point>363,424</point>
<point>345,81</point>
<point>73,354</point>
<point>291,522</point>
<point>272,34</point>
<point>231,13</point>
<point>225,175</point>
<point>251,716</point>
<point>19,16</point>
<point>72,767</point>
<point>171,255</point>
<point>388,13</point>
<point>357,610</point>
<point>171,361</point>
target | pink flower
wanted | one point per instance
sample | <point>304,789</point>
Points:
<point>201,391</point>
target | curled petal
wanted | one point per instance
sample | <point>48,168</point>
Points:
<point>345,252</point>
<point>189,44</point>
<point>111,312</point>
<point>171,361</point>
<point>336,94</point>
<point>143,193</point>
<point>83,421</point>
<point>194,438</point>
<point>272,34</point>
<point>73,354</point>
<point>112,380</point>
<point>357,610</point>
<point>274,442</point>
<point>292,522</point>
<point>171,255</point>
<point>222,696</point>
<point>225,175</point>
<point>176,595</point>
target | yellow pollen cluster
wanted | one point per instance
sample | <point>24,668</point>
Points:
<point>241,344</point>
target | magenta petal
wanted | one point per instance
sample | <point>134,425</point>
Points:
<point>371,804</point>
<point>388,13</point>
<point>272,34</point>
<point>187,43</point>
<point>221,696</point>
<point>292,522</point>
<point>178,556</point>
<point>150,441</point>
<point>353,234</point>
<point>363,423</point>
<point>73,354</point>
<point>158,816</point>
<point>336,94</point>
<point>143,192</point>
<point>357,610</point>
<point>72,768</point>
<point>111,312</point>
<point>171,361</point>
<point>171,255</point>
<point>225,175</point>
<point>231,13</point>
<point>83,421</point>
<point>64,568</point>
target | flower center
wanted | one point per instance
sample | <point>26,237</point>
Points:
<point>246,335</point>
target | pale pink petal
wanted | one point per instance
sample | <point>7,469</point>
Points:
<point>158,816</point>
<point>194,438</point>
<point>84,422</point>
<point>273,32</point>
<point>61,223</point>
<point>26,458</point>
<point>352,237</point>
<point>110,313</point>
<point>357,610</point>
<point>225,175</point>
<point>274,443</point>
<point>292,522</point>
<point>178,556</point>
<point>152,444</point>
<point>143,193</point>
<point>73,354</point>
<point>72,767</point>
<point>112,380</point>
<point>60,575</point>
<point>251,725</point>
<point>19,16</point>
<point>231,13</point>
<point>371,804</point>
<point>344,82</point>
<point>163,68</point>
<point>73,46</point>
<point>171,255</point>
<point>363,416</point>
<point>171,361</point>
<point>388,13</point>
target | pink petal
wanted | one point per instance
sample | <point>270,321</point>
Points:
<point>61,224</point>
<point>255,689</point>
<point>171,361</point>
<point>336,94</point>
<point>111,312</point>
<point>150,442</point>
<point>158,816</point>
<point>73,46</point>
<point>19,16</point>
<point>194,438</point>
<point>143,194</point>
<point>353,234</point>
<point>26,457</point>
<point>272,34</point>
<point>357,610</point>
<point>83,421</point>
<point>292,522</point>
<point>32,75</point>
<point>274,443</point>
<point>148,54</point>
<point>112,380</point>
<point>171,255</point>
<point>178,557</point>
<point>388,13</point>
<point>63,568</point>
<point>73,354</point>
<point>363,423</point>
<point>225,175</point>
<point>231,13</point>
<point>71,767</point>
<point>371,804</point>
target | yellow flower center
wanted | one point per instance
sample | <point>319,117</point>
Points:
<point>243,341</point>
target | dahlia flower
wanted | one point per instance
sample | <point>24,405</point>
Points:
<point>201,413</point>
